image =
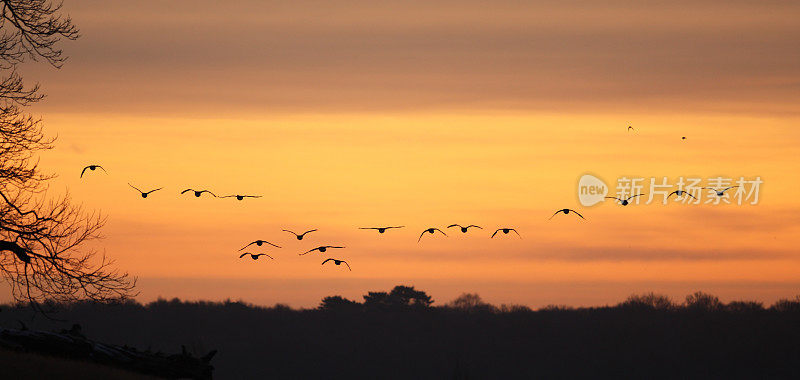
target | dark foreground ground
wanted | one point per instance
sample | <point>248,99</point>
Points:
<point>644,337</point>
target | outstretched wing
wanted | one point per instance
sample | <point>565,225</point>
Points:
<point>436,229</point>
<point>292,232</point>
<point>495,233</point>
<point>368,228</point>
<point>476,226</point>
<point>137,189</point>
<point>421,235</point>
<point>244,254</point>
<point>333,246</point>
<point>396,227</point>
<point>276,246</point>
<point>634,196</point>
<point>206,191</point>
<point>153,190</point>
<point>348,265</point>
<point>246,246</point>
<point>611,198</point>
<point>326,260</point>
<point>264,254</point>
<point>556,213</point>
<point>309,251</point>
<point>577,213</point>
<point>251,196</point>
<point>515,231</point>
<point>728,188</point>
<point>104,170</point>
<point>83,171</point>
<point>454,225</point>
<point>182,192</point>
<point>304,233</point>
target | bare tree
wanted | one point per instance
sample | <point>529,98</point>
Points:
<point>42,241</point>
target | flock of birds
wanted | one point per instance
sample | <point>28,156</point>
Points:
<point>383,229</point>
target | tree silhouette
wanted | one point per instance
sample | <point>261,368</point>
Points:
<point>470,302</point>
<point>649,301</point>
<point>703,302</point>
<point>338,303</point>
<point>401,297</point>
<point>41,239</point>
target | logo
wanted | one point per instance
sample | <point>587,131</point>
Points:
<point>591,190</point>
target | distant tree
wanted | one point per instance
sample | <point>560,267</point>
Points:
<point>703,301</point>
<point>41,240</point>
<point>744,306</point>
<point>649,301</point>
<point>401,297</point>
<point>338,303</point>
<point>787,305</point>
<point>470,302</point>
<point>511,308</point>
<point>408,296</point>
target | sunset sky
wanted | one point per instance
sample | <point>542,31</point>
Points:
<point>347,114</point>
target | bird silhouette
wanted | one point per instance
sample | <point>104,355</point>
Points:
<point>625,202</point>
<point>241,197</point>
<point>321,248</point>
<point>300,236</point>
<point>379,229</point>
<point>464,229</point>
<point>430,231</point>
<point>144,193</point>
<point>198,193</point>
<point>631,129</point>
<point>566,211</point>
<point>683,138</point>
<point>254,256</point>
<point>680,193</point>
<point>259,243</point>
<point>719,192</point>
<point>506,231</point>
<point>20,252</point>
<point>92,168</point>
<point>338,262</point>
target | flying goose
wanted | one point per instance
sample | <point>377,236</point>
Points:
<point>379,229</point>
<point>566,211</point>
<point>144,193</point>
<point>259,243</point>
<point>92,168</point>
<point>506,231</point>
<point>680,193</point>
<point>254,256</point>
<point>464,229</point>
<point>300,236</point>
<point>624,202</point>
<point>719,192</point>
<point>338,262</point>
<point>199,193</point>
<point>241,197</point>
<point>430,231</point>
<point>322,249</point>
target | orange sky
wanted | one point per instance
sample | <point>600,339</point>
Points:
<point>351,114</point>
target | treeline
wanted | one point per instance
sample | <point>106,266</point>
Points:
<point>402,333</point>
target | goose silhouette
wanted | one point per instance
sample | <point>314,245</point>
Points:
<point>198,193</point>
<point>464,229</point>
<point>92,168</point>
<point>144,193</point>
<point>719,192</point>
<point>300,236</point>
<point>680,193</point>
<point>566,211</point>
<point>321,248</point>
<point>430,231</point>
<point>625,202</point>
<point>506,231</point>
<point>254,256</point>
<point>631,129</point>
<point>379,229</point>
<point>338,262</point>
<point>241,197</point>
<point>259,243</point>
